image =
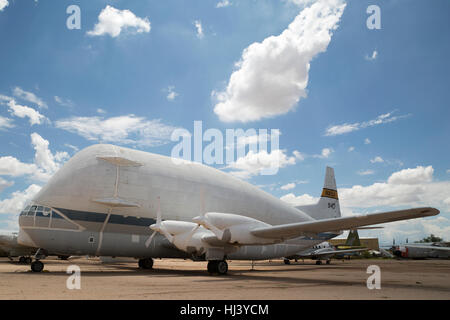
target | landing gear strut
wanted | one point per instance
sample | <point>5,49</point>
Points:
<point>146,263</point>
<point>37,266</point>
<point>218,266</point>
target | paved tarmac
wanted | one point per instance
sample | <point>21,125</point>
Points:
<point>184,279</point>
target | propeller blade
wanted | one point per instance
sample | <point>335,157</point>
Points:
<point>190,235</point>
<point>149,240</point>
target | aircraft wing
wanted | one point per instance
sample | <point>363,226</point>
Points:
<point>292,230</point>
<point>331,252</point>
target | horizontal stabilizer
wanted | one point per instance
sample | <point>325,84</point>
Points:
<point>292,230</point>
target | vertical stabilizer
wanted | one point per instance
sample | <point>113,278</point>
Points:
<point>328,205</point>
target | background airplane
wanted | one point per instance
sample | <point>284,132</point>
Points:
<point>103,200</point>
<point>326,251</point>
<point>9,247</point>
<point>440,250</point>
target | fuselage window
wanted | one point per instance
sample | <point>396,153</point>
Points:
<point>31,211</point>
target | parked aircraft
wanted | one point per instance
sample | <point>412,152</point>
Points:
<point>326,251</point>
<point>423,250</point>
<point>10,248</point>
<point>103,200</point>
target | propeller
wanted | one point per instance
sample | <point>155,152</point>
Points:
<point>158,227</point>
<point>202,203</point>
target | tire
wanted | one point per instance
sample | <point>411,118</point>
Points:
<point>222,267</point>
<point>318,262</point>
<point>212,266</point>
<point>28,260</point>
<point>145,263</point>
<point>287,261</point>
<point>328,261</point>
<point>37,266</point>
<point>22,260</point>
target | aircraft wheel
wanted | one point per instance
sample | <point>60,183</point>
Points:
<point>63,257</point>
<point>286,261</point>
<point>28,260</point>
<point>328,261</point>
<point>212,266</point>
<point>145,263</point>
<point>222,267</point>
<point>37,266</point>
<point>22,260</point>
<point>318,262</point>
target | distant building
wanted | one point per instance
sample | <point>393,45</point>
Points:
<point>371,243</point>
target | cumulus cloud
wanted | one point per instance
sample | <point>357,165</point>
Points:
<point>325,154</point>
<point>3,4</point>
<point>272,75</point>
<point>171,94</point>
<point>25,112</point>
<point>262,162</point>
<point>346,127</point>
<point>113,21</point>
<point>29,96</point>
<point>45,162</point>
<point>288,186</point>
<point>350,149</point>
<point>5,184</point>
<point>377,160</point>
<point>126,130</point>
<point>18,200</point>
<point>199,28</point>
<point>367,141</point>
<point>302,200</point>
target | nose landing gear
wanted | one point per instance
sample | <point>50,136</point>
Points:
<point>37,266</point>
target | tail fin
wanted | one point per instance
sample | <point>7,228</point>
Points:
<point>328,205</point>
<point>353,239</point>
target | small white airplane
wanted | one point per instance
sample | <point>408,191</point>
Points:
<point>104,199</point>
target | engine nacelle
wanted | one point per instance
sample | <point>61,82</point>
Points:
<point>233,228</point>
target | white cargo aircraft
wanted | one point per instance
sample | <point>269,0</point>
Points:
<point>104,199</point>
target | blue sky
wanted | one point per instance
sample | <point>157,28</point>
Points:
<point>387,89</point>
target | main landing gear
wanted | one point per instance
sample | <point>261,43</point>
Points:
<point>37,266</point>
<point>218,266</point>
<point>25,260</point>
<point>287,261</point>
<point>319,262</point>
<point>146,263</point>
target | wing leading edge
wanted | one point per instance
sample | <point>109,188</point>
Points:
<point>292,230</point>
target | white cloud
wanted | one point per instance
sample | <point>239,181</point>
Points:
<point>298,155</point>
<point>101,111</point>
<point>171,94</point>
<point>5,184</point>
<point>367,141</point>
<point>377,159</point>
<point>128,129</point>
<point>18,200</point>
<point>326,152</point>
<point>412,176</point>
<point>44,166</point>
<point>29,96</point>
<point>198,26</point>
<point>254,163</point>
<point>304,199</point>
<point>23,111</point>
<point>112,21</point>
<point>223,4</point>
<point>3,4</point>
<point>365,172</point>
<point>372,57</point>
<point>6,123</point>
<point>64,102</point>
<point>346,127</point>
<point>350,149</point>
<point>448,171</point>
<point>288,186</point>
<point>272,75</point>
